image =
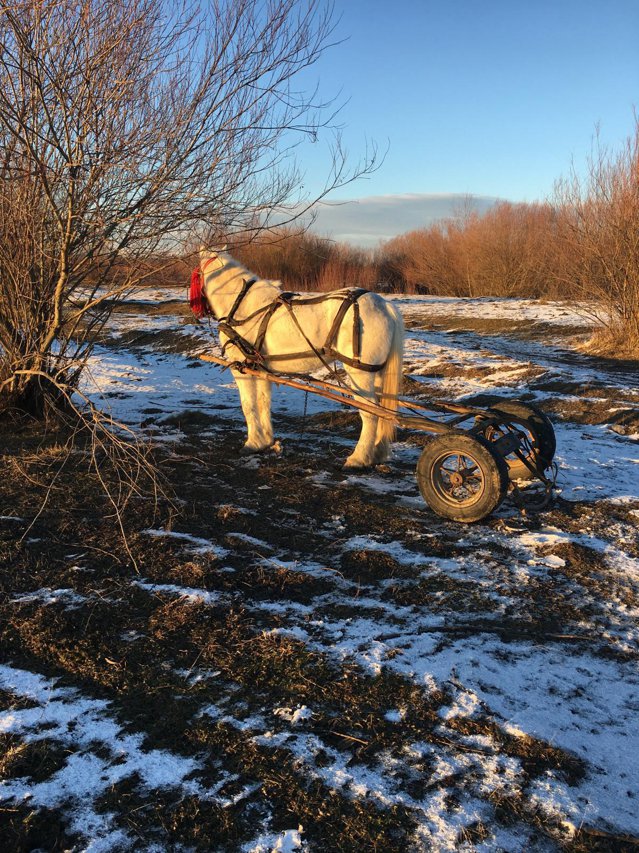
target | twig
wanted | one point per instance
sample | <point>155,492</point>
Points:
<point>349,737</point>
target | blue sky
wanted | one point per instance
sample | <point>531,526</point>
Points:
<point>488,98</point>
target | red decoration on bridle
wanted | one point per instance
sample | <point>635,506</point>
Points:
<point>197,299</point>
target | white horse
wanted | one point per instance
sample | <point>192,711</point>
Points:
<point>299,334</point>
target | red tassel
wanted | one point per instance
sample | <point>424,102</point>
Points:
<point>198,301</point>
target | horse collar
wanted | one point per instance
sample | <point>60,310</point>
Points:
<point>246,286</point>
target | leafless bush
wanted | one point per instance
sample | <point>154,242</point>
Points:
<point>124,126</point>
<point>599,216</point>
<point>421,261</point>
<point>348,266</point>
<point>293,256</point>
<point>305,261</point>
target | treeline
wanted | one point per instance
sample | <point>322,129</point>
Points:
<point>512,250</point>
<point>302,260</point>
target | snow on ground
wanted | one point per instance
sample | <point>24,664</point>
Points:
<point>503,308</point>
<point>593,461</point>
<point>101,756</point>
<point>195,544</point>
<point>132,384</point>
<point>497,361</point>
<point>564,692</point>
<point>498,308</point>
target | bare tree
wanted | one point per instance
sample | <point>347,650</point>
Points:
<point>126,125</point>
<point>599,218</point>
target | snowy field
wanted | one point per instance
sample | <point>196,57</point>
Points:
<point>499,659</point>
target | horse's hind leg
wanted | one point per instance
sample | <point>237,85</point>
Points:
<point>255,398</point>
<point>381,450</point>
<point>364,453</point>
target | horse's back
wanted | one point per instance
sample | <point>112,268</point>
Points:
<point>346,322</point>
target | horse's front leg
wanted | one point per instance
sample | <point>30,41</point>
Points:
<point>255,398</point>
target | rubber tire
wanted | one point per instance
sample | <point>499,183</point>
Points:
<point>494,470</point>
<point>533,419</point>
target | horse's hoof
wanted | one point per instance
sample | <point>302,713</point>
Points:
<point>252,451</point>
<point>247,450</point>
<point>354,465</point>
<point>381,453</point>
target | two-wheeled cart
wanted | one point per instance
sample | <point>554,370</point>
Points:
<point>477,455</point>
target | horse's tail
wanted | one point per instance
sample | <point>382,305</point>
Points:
<point>389,384</point>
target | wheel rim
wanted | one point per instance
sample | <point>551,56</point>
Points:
<point>458,479</point>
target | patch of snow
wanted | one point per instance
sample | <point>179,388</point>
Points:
<point>100,755</point>
<point>294,716</point>
<point>189,593</point>
<point>197,544</point>
<point>395,715</point>
<point>281,842</point>
<point>250,540</point>
<point>69,597</point>
<point>504,308</point>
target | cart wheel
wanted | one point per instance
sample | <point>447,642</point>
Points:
<point>538,449</point>
<point>461,477</point>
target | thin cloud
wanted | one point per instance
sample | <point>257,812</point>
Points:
<point>367,221</point>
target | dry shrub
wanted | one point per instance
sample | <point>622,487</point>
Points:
<point>599,230</point>
<point>508,251</point>
<point>125,127</point>
<point>305,261</point>
<point>585,246</point>
<point>294,257</point>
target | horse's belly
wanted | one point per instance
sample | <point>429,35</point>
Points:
<point>295,365</point>
<point>292,345</point>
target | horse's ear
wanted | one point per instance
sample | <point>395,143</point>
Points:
<point>204,252</point>
<point>224,247</point>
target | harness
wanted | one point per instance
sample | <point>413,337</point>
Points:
<point>253,351</point>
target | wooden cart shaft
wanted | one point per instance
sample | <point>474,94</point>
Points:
<point>349,397</point>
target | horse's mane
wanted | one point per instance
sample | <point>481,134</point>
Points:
<point>232,262</point>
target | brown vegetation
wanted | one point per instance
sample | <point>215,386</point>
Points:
<point>509,251</point>
<point>304,261</point>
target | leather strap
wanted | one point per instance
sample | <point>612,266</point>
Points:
<point>230,317</point>
<point>253,351</point>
